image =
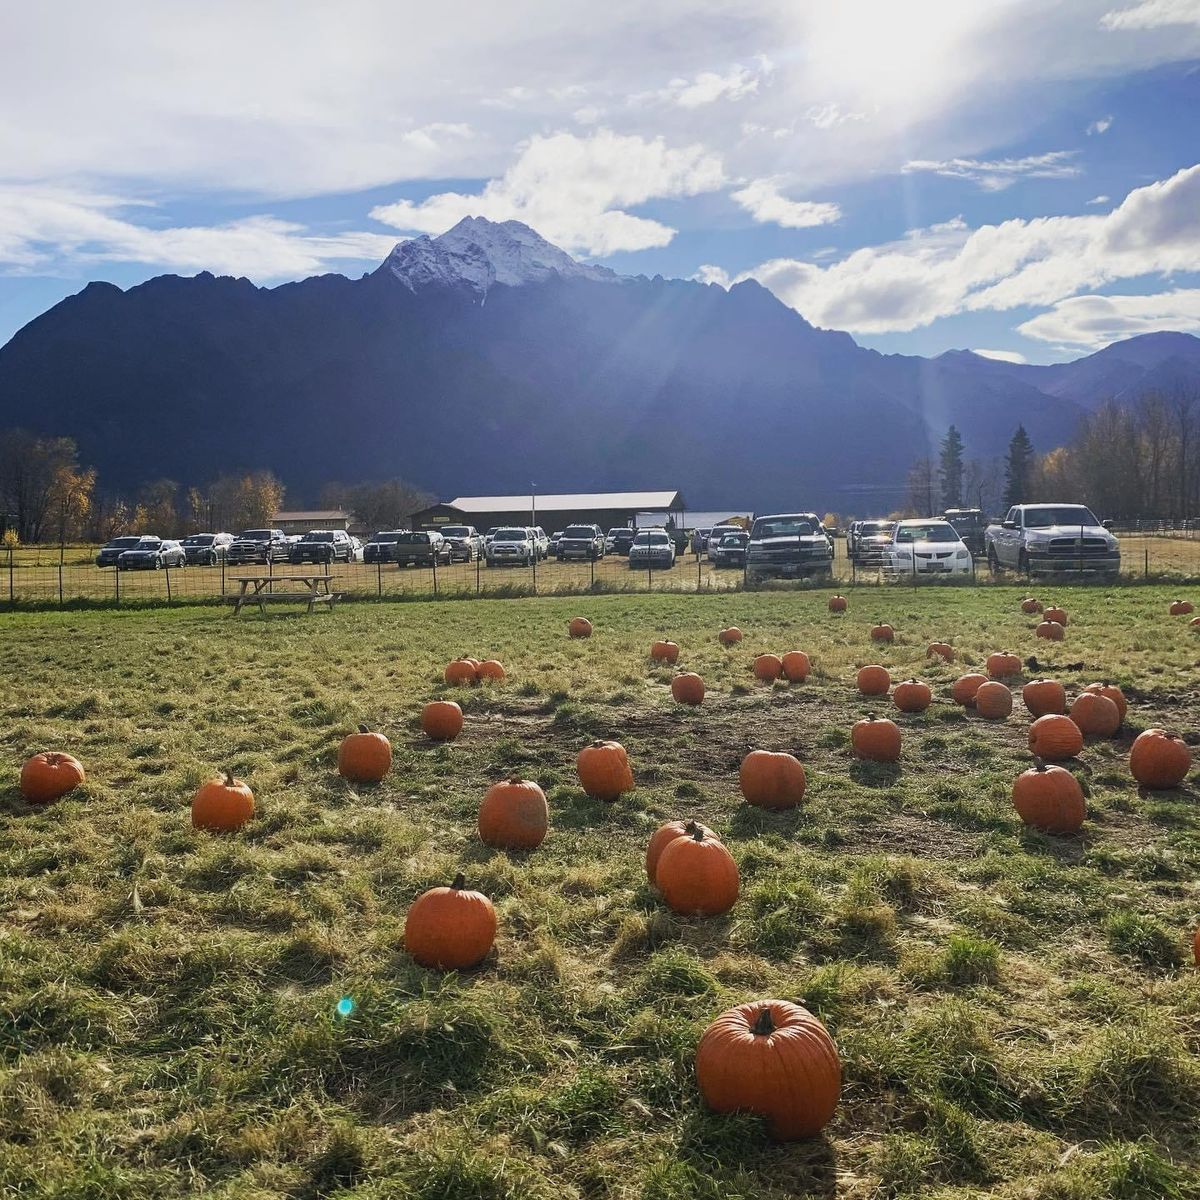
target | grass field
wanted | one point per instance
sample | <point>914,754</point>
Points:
<point>1016,1013</point>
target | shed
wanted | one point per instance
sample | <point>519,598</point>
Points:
<point>553,512</point>
<point>302,522</point>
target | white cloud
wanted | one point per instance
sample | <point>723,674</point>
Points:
<point>1095,321</point>
<point>830,115</point>
<point>707,273</point>
<point>1010,356</point>
<point>573,190</point>
<point>1102,125</point>
<point>761,198</point>
<point>1000,173</point>
<point>708,87</point>
<point>1153,14</point>
<point>1100,200</point>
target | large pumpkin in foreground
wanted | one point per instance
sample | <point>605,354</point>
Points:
<point>912,696</point>
<point>50,776</point>
<point>1113,692</point>
<point>442,720</point>
<point>688,688</point>
<point>1049,798</point>
<point>664,652</point>
<point>770,780</point>
<point>873,680</point>
<point>450,927</point>
<point>579,627</point>
<point>663,836</point>
<point>768,667</point>
<point>1096,715</point>
<point>796,666</point>
<point>697,875</point>
<point>993,701</point>
<point>877,740</point>
<point>514,815</point>
<point>604,770</point>
<point>222,805</point>
<point>1159,759</point>
<point>775,1059</point>
<point>1044,696</point>
<point>364,757</point>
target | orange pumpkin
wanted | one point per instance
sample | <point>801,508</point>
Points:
<point>461,670</point>
<point>688,688</point>
<point>1113,692</point>
<point>222,805</point>
<point>1055,737</point>
<point>912,696</point>
<point>1096,715</point>
<point>49,776</point>
<point>1042,696</point>
<point>492,670</point>
<point>1049,798</point>
<point>580,627</point>
<point>514,815</point>
<point>604,770</point>
<point>874,681</point>
<point>1050,630</point>
<point>667,833</point>
<point>768,667</point>
<point>965,686</point>
<point>1159,759</point>
<point>1195,623</point>
<point>697,875</point>
<point>364,757</point>
<point>993,701</point>
<point>883,633</point>
<point>796,666</point>
<point>1031,605</point>
<point>1055,614</point>
<point>1181,608</point>
<point>837,603</point>
<point>876,739</point>
<point>770,780</point>
<point>442,720</point>
<point>1003,664</point>
<point>450,928</point>
<point>774,1059</point>
<point>664,652</point>
<point>730,636</point>
<point>942,650</point>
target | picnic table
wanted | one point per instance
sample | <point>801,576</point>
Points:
<point>310,589</point>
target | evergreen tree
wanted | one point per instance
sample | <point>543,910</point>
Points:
<point>950,468</point>
<point>1018,468</point>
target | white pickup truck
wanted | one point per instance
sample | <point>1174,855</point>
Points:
<point>1043,539</point>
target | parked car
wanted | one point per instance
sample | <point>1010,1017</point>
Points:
<point>619,540</point>
<point>321,546</point>
<point>971,525</point>
<point>652,548</point>
<point>489,534</point>
<point>1038,539</point>
<point>356,549</point>
<point>260,545</point>
<point>421,548</point>
<point>715,534</point>
<point>206,549</point>
<point>700,539</point>
<point>465,543</point>
<point>111,551</point>
<point>381,546</point>
<point>512,544</point>
<point>541,541</point>
<point>582,542</point>
<point>870,543</point>
<point>151,554</point>
<point>731,552</point>
<point>788,546</point>
<point>927,546</point>
<point>555,538</point>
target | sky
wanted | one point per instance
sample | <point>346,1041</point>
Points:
<point>1017,177</point>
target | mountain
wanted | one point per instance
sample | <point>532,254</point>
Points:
<point>476,361</point>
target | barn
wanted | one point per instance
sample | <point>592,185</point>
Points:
<point>552,512</point>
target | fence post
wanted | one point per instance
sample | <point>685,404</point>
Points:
<point>592,571</point>
<point>478,559</point>
<point>1146,550</point>
<point>11,594</point>
<point>117,577</point>
<point>223,558</point>
<point>435,582</point>
<point>60,583</point>
<point>167,570</point>
<point>533,566</point>
<point>697,570</point>
<point>379,578</point>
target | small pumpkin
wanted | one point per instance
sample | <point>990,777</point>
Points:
<point>1096,715</point>
<point>364,757</point>
<point>993,701</point>
<point>1031,605</point>
<point>1195,623</point>
<point>912,696</point>
<point>1049,798</point>
<point>963,690</point>
<point>873,680</point>
<point>1003,664</point>
<point>461,670</point>
<point>1042,696</point>
<point>1050,630</point>
<point>774,1059</point>
<point>768,667</point>
<point>668,833</point>
<point>1113,692</point>
<point>1055,614</point>
<point>580,627</point>
<point>604,770</point>
<point>442,720</point>
<point>730,636</point>
<point>1159,759</point>
<point>514,815</point>
<point>942,650</point>
<point>222,805</point>
<point>1181,608</point>
<point>883,633</point>
<point>491,670</point>
<point>664,652</point>
<point>837,603</point>
<point>1055,737</point>
<point>688,688</point>
<point>876,739</point>
<point>772,780</point>
<point>450,928</point>
<point>697,875</point>
<point>796,666</point>
<point>49,776</point>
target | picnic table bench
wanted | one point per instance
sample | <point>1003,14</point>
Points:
<point>309,589</point>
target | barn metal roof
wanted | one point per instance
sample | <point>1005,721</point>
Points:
<point>568,502</point>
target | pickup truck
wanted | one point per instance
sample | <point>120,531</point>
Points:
<point>1041,539</point>
<point>788,546</point>
<point>970,524</point>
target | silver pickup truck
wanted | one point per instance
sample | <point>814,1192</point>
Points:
<point>1044,539</point>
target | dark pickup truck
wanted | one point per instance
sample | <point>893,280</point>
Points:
<point>788,546</point>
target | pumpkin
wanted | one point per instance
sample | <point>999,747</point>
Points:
<point>1195,622</point>
<point>222,805</point>
<point>688,688</point>
<point>965,686</point>
<point>450,928</point>
<point>942,650</point>
<point>697,875</point>
<point>49,776</point>
<point>1113,692</point>
<point>442,720</point>
<point>796,666</point>
<point>1051,630</point>
<point>1003,664</point>
<point>364,757</point>
<point>665,652</point>
<point>514,815</point>
<point>993,701</point>
<point>877,740</point>
<point>1049,798</point>
<point>491,669</point>
<point>1031,605</point>
<point>1057,615</point>
<point>1095,714</point>
<point>1159,759</point>
<point>770,780</point>
<point>1181,608</point>
<point>912,696</point>
<point>774,1059</point>
<point>668,833</point>
<point>604,770</point>
<point>1042,696</point>
<point>461,670</point>
<point>730,636</point>
<point>1055,737</point>
<point>874,680</point>
<point>768,667</point>
<point>837,603</point>
<point>580,627</point>
<point>883,633</point>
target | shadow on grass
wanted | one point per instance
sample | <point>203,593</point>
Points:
<point>874,774</point>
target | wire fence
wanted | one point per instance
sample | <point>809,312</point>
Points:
<point>67,576</point>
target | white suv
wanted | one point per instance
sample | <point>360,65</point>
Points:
<point>512,544</point>
<point>926,547</point>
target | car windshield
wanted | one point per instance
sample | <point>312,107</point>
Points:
<point>256,535</point>
<point>199,539</point>
<point>766,527</point>
<point>318,535</point>
<point>148,543</point>
<point>579,531</point>
<point>651,538</point>
<point>869,528</point>
<point>511,535</point>
<point>938,531</point>
<point>734,539</point>
<point>455,531</point>
<point>412,537</point>
<point>613,533</point>
<point>386,537</point>
<point>1060,514</point>
<point>124,542</point>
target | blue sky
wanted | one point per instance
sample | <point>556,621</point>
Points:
<point>1013,177</point>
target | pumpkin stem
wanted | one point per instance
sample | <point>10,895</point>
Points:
<point>364,728</point>
<point>1038,763</point>
<point>229,779</point>
<point>698,835</point>
<point>764,1023</point>
<point>460,882</point>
